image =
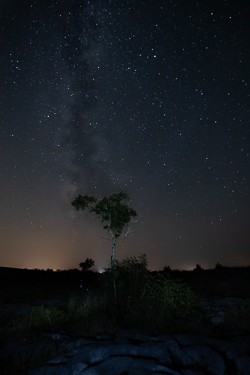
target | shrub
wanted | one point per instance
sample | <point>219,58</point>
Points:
<point>198,268</point>
<point>127,280</point>
<point>171,297</point>
<point>167,269</point>
<point>218,266</point>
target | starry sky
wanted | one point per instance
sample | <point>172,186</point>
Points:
<point>146,97</point>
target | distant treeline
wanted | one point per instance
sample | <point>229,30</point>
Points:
<point>225,281</point>
<point>11,276</point>
<point>8,273</point>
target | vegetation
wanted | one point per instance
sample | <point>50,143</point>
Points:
<point>128,278</point>
<point>85,266</point>
<point>126,295</point>
<point>115,215</point>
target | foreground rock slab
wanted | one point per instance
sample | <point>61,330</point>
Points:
<point>132,352</point>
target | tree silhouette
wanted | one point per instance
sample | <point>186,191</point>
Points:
<point>85,266</point>
<point>115,215</point>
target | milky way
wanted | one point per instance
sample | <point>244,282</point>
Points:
<point>150,98</point>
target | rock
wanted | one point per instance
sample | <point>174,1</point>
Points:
<point>236,353</point>
<point>217,319</point>
<point>206,358</point>
<point>176,354</point>
<point>15,312</point>
<point>124,365</point>
<point>216,308</point>
<point>132,335</point>
<point>15,353</point>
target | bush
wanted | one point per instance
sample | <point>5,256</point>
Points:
<point>170,296</point>
<point>218,266</point>
<point>149,301</point>
<point>167,269</point>
<point>127,280</point>
<point>198,268</point>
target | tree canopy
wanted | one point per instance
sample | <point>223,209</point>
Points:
<point>115,215</point>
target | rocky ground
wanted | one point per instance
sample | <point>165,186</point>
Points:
<point>132,352</point>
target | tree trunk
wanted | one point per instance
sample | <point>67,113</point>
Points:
<point>113,253</point>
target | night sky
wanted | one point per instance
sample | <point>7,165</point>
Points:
<point>146,97</point>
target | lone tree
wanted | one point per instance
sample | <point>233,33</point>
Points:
<point>116,215</point>
<point>85,266</point>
